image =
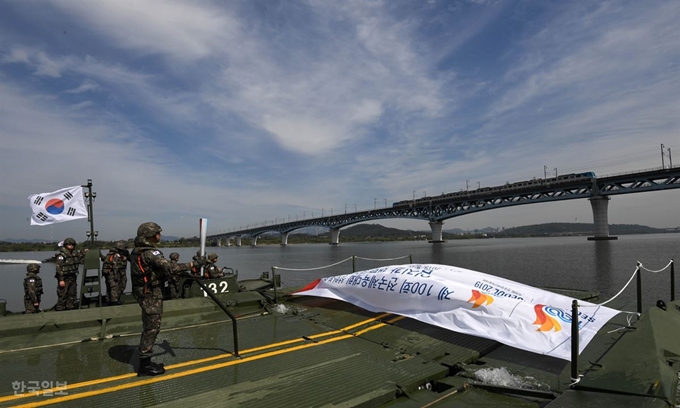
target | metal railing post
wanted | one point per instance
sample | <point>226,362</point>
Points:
<point>276,298</point>
<point>221,305</point>
<point>639,288</point>
<point>672,280</point>
<point>574,340</point>
<point>354,263</point>
<point>410,258</point>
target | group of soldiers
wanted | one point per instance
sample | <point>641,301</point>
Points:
<point>114,270</point>
<point>150,274</point>
<point>67,261</point>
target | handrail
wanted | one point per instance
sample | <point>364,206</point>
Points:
<point>198,279</point>
<point>353,258</point>
<point>636,274</point>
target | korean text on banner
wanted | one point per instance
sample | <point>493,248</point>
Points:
<point>470,302</point>
<point>63,205</point>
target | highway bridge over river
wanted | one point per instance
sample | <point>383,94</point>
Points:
<point>435,210</point>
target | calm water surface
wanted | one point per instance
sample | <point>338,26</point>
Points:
<point>571,262</point>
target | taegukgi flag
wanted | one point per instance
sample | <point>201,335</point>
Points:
<point>470,302</point>
<point>58,206</point>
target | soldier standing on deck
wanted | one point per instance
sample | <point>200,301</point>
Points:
<point>148,271</point>
<point>121,269</point>
<point>173,282</point>
<point>67,262</point>
<point>114,271</point>
<point>33,289</point>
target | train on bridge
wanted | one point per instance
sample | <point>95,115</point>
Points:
<point>486,191</point>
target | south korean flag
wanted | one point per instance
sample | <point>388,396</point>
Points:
<point>63,205</point>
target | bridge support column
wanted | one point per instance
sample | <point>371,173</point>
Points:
<point>335,236</point>
<point>253,241</point>
<point>284,238</point>
<point>238,241</point>
<point>436,227</point>
<point>599,205</point>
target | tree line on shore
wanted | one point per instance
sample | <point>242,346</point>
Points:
<point>368,233</point>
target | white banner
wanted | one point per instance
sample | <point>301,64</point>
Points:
<point>469,302</point>
<point>59,206</point>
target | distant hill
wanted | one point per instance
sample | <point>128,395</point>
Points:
<point>376,230</point>
<point>568,228</point>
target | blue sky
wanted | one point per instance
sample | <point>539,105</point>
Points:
<point>250,111</point>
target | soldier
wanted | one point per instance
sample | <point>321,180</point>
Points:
<point>211,270</point>
<point>33,289</point>
<point>148,272</point>
<point>121,246</point>
<point>173,282</point>
<point>114,271</point>
<point>67,262</point>
<point>196,270</point>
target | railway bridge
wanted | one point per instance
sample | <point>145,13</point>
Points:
<point>436,209</point>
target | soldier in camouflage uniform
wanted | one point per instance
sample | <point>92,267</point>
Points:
<point>114,271</point>
<point>148,271</point>
<point>68,261</point>
<point>196,270</point>
<point>211,270</point>
<point>121,246</point>
<point>173,282</point>
<point>33,289</point>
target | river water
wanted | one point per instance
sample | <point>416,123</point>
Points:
<point>570,262</point>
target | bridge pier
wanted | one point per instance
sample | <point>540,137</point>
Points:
<point>436,227</point>
<point>599,205</point>
<point>253,240</point>
<point>284,238</point>
<point>238,241</point>
<point>335,236</point>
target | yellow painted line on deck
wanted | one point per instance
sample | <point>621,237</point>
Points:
<point>200,361</point>
<point>197,370</point>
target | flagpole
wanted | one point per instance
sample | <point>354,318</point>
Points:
<point>90,212</point>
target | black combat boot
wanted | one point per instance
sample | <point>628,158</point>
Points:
<point>157,365</point>
<point>146,367</point>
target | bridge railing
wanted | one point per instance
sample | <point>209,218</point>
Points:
<point>638,171</point>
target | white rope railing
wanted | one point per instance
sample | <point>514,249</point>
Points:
<point>660,270</point>
<point>621,291</point>
<point>637,269</point>
<point>340,262</point>
<point>382,260</point>
<point>312,269</point>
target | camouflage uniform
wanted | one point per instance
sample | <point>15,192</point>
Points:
<point>122,269</point>
<point>33,289</point>
<point>211,270</point>
<point>148,271</point>
<point>173,282</point>
<point>113,269</point>
<point>196,269</point>
<point>67,265</point>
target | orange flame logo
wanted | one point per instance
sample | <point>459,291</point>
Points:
<point>545,322</point>
<point>479,299</point>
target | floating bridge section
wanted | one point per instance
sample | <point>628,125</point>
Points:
<point>435,210</point>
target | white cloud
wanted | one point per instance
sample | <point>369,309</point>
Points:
<point>180,30</point>
<point>86,86</point>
